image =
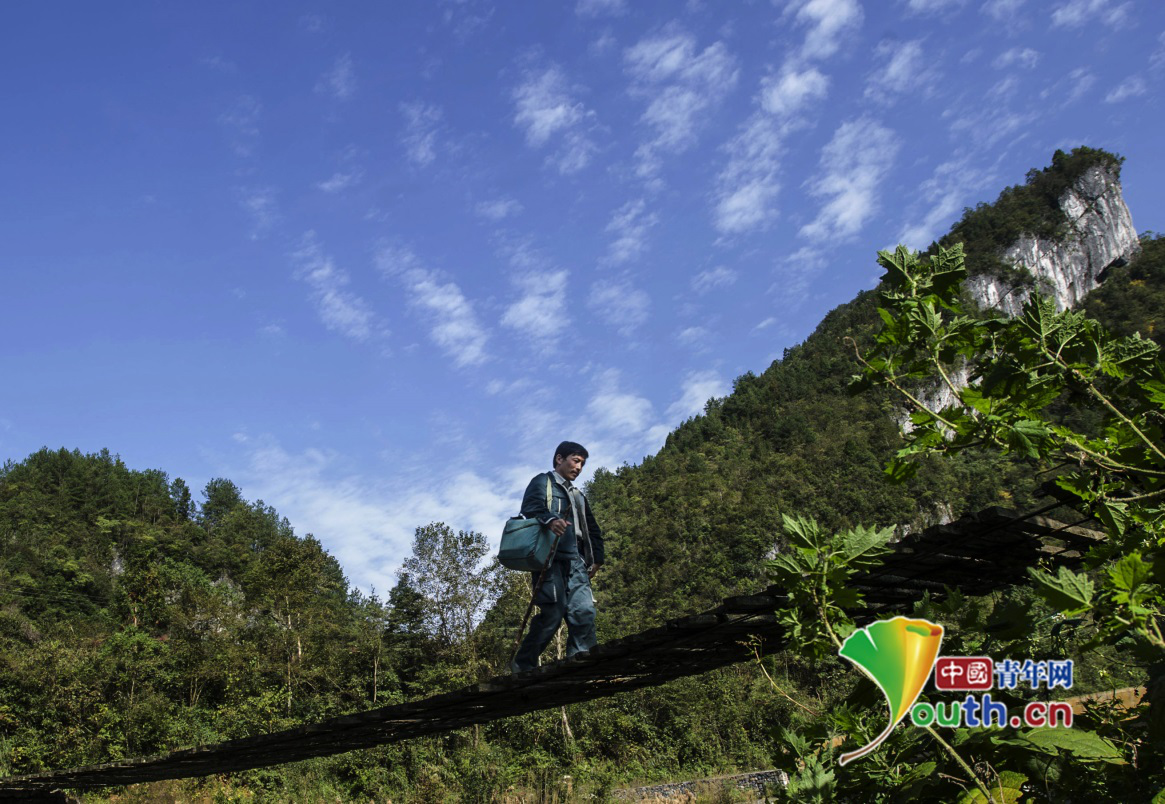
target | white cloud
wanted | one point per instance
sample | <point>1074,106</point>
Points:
<point>498,386</point>
<point>796,274</point>
<point>219,64</point>
<point>694,337</point>
<point>312,23</point>
<point>747,188</point>
<point>944,194</point>
<point>991,122</point>
<point>932,6</point>
<point>621,413</point>
<point>601,8</point>
<point>420,132</point>
<point>620,304</point>
<point>341,310</point>
<point>1082,81</point>
<point>629,225</point>
<point>369,525</point>
<point>261,206</point>
<point>793,88</point>
<point>498,209</point>
<point>1004,89</point>
<point>604,44</point>
<point>545,107</point>
<point>718,277</point>
<point>829,22</point>
<point>341,181</point>
<point>853,164</point>
<point>1079,12</point>
<point>906,70</point>
<point>698,387</point>
<point>1024,57</point>
<point>467,18</point>
<point>242,124</point>
<point>1071,87</point>
<point>1132,87</point>
<point>540,312</point>
<point>621,425</point>
<point>340,81</point>
<point>453,324</point>
<point>681,85</point>
<point>1002,10</point>
<point>574,155</point>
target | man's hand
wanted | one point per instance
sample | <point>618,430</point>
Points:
<point>594,568</point>
<point>559,526</point>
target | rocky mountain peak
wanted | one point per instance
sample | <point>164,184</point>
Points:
<point>1099,235</point>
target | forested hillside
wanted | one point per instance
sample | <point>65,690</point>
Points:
<point>135,619</point>
<point>793,440</point>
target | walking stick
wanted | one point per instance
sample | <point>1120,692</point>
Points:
<point>537,587</point>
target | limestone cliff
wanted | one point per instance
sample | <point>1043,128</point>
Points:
<point>1099,235</point>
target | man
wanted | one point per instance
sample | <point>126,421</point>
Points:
<point>566,588</point>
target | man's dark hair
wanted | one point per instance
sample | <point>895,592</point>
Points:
<point>568,448</point>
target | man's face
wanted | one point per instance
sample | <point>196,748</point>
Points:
<point>569,467</point>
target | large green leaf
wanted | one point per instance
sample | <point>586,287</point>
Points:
<point>1130,572</point>
<point>862,542</point>
<point>949,270</point>
<point>1026,437</point>
<point>1155,391</point>
<point>802,532</point>
<point>1127,354</point>
<point>1085,745</point>
<point>1067,590</point>
<point>896,264</point>
<point>1006,788</point>
<point>899,471</point>
<point>788,565</point>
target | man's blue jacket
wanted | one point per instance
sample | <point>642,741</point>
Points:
<point>534,506</point>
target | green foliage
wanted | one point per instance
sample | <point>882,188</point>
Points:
<point>1020,367</point>
<point>1007,787</point>
<point>1132,297</point>
<point>1080,744</point>
<point>816,572</point>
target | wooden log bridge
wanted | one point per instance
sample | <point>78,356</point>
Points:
<point>979,553</point>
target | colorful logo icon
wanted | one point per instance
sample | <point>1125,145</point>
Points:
<point>898,655</point>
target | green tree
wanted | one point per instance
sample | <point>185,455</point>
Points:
<point>457,579</point>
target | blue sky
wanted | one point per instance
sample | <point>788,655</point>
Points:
<point>372,261</point>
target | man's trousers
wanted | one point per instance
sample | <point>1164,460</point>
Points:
<point>565,593</point>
